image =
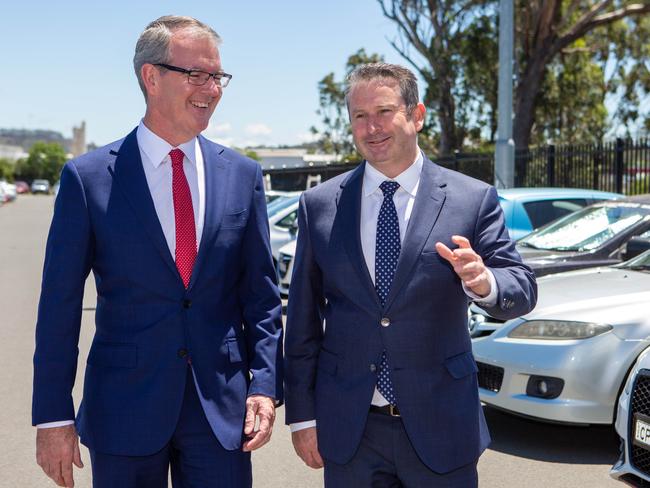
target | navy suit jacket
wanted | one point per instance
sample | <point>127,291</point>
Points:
<point>228,320</point>
<point>334,338</point>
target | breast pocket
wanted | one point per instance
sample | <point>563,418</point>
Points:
<point>235,220</point>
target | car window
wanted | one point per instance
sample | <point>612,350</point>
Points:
<point>287,222</point>
<point>542,212</point>
<point>588,228</point>
<point>280,203</point>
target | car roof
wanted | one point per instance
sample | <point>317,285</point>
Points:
<point>548,192</point>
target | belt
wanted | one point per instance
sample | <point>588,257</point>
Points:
<point>390,410</point>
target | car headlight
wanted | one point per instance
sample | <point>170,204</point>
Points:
<point>554,330</point>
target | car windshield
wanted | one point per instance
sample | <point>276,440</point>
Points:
<point>280,203</point>
<point>588,228</point>
<point>638,263</point>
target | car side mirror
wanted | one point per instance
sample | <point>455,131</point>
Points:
<point>635,246</point>
<point>294,227</point>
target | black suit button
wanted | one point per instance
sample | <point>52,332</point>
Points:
<point>187,304</point>
<point>373,368</point>
<point>182,353</point>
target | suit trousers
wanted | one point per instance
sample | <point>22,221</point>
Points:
<point>195,456</point>
<point>386,459</point>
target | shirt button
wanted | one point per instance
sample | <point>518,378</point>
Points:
<point>373,368</point>
<point>385,322</point>
<point>182,353</point>
<point>187,304</point>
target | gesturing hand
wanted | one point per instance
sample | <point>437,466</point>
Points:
<point>467,264</point>
<point>56,449</point>
<point>305,443</point>
<point>263,407</point>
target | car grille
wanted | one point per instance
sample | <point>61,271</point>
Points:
<point>489,377</point>
<point>640,404</point>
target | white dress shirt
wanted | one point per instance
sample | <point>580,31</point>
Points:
<point>157,165</point>
<point>404,199</point>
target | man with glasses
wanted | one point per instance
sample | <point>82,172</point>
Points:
<point>186,357</point>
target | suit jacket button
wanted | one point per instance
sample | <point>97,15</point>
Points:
<point>373,368</point>
<point>187,304</point>
<point>385,322</point>
<point>182,353</point>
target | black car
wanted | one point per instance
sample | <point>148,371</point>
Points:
<point>599,235</point>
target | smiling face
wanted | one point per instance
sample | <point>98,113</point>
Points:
<point>177,111</point>
<point>384,133</point>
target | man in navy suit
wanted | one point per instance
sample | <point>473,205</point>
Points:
<point>381,385</point>
<point>187,353</point>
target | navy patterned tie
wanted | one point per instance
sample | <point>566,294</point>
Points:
<point>387,248</point>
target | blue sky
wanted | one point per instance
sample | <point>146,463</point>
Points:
<point>68,61</point>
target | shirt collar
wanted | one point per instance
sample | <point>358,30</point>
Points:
<point>407,179</point>
<point>157,149</point>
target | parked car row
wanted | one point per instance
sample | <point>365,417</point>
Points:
<point>10,191</point>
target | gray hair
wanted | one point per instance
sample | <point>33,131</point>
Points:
<point>153,45</point>
<point>408,85</point>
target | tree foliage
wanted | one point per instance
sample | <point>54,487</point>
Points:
<point>563,51</point>
<point>45,161</point>
<point>6,170</point>
<point>335,136</point>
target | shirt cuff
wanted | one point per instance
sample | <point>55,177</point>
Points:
<point>491,299</point>
<point>302,425</point>
<point>49,425</point>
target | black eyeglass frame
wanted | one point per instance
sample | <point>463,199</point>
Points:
<point>222,79</point>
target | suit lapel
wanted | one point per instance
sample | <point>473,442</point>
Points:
<point>128,173</point>
<point>217,173</point>
<point>429,200</point>
<point>348,201</point>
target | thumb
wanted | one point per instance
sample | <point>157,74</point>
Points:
<point>249,423</point>
<point>445,252</point>
<point>76,456</point>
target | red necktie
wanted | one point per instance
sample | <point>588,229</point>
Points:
<point>183,217</point>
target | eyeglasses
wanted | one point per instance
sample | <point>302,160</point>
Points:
<point>198,77</point>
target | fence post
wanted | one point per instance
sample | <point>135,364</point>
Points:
<point>550,165</point>
<point>619,168</point>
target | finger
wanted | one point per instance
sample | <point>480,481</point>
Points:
<point>249,424</point>
<point>462,242</point>
<point>445,252</point>
<point>318,460</point>
<point>257,441</point>
<point>76,457</point>
<point>66,473</point>
<point>54,472</point>
<point>466,254</point>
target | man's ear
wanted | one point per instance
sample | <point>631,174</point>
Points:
<point>150,77</point>
<point>418,116</point>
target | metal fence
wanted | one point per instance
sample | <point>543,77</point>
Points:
<point>622,166</point>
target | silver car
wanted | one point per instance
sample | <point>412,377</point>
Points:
<point>567,360</point>
<point>633,426</point>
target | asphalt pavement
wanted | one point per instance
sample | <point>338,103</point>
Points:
<point>523,453</point>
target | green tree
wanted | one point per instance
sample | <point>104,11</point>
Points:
<point>45,161</point>
<point>452,47</point>
<point>6,170</point>
<point>335,136</point>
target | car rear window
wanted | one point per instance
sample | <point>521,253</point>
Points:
<point>542,212</point>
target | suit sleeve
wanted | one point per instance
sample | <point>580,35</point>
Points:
<point>304,326</point>
<point>517,288</point>
<point>68,259</point>
<point>260,301</point>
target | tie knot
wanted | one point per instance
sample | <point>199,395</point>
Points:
<point>389,188</point>
<point>177,157</point>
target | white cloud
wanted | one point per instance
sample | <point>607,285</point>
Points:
<point>258,129</point>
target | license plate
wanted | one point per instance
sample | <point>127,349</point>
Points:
<point>642,432</point>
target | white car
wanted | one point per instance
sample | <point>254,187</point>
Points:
<point>9,190</point>
<point>567,360</point>
<point>285,267</point>
<point>633,426</point>
<point>283,224</point>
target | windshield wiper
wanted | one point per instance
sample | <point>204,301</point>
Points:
<point>638,267</point>
<point>527,244</point>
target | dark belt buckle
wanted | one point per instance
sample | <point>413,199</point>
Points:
<point>393,411</point>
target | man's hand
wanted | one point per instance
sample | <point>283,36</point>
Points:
<point>263,407</point>
<point>56,449</point>
<point>306,445</point>
<point>467,264</point>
